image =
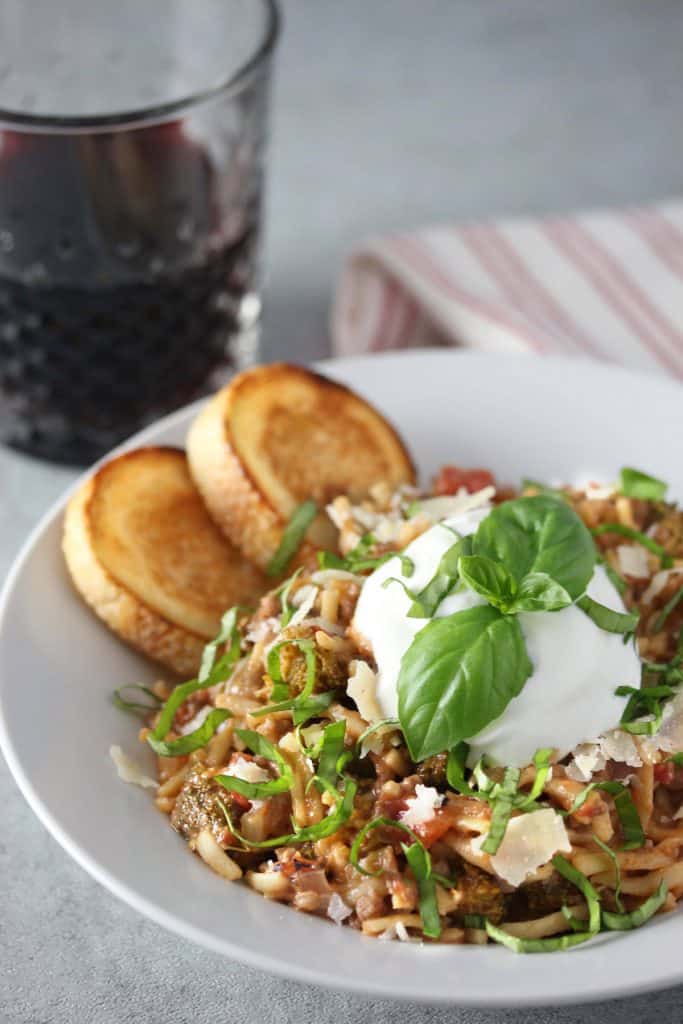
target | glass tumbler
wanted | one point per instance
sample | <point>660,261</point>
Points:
<point>131,174</point>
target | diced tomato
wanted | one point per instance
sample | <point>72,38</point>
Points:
<point>452,478</point>
<point>443,821</point>
<point>243,802</point>
<point>665,773</point>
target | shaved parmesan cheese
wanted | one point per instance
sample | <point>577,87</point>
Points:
<point>436,509</point>
<point>670,735</point>
<point>129,771</point>
<point>326,575</point>
<point>617,745</point>
<point>421,807</point>
<point>262,630</point>
<point>598,492</point>
<point>195,722</point>
<point>337,910</point>
<point>362,689</point>
<point>588,759</point>
<point>658,582</point>
<point>303,601</point>
<point>530,841</point>
<point>633,561</point>
<point>395,931</point>
<point>248,771</point>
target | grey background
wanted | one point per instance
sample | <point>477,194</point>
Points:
<point>386,115</point>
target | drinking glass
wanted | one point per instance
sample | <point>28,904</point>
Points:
<point>131,175</point>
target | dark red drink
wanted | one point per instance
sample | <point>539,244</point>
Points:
<point>122,283</point>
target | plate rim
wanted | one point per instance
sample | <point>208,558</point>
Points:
<point>175,923</point>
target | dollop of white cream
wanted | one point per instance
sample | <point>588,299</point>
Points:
<point>568,699</point>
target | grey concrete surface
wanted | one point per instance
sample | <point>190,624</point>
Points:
<point>387,114</point>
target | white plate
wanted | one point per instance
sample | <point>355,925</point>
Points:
<point>518,415</point>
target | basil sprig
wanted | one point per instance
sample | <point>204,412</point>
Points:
<point>636,535</point>
<point>292,537</point>
<point>459,674</point>
<point>635,484</point>
<point>461,671</point>
<point>258,744</point>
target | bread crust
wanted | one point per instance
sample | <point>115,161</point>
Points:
<point>253,456</point>
<point>142,623</point>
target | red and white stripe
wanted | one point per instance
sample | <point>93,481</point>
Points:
<point>604,285</point>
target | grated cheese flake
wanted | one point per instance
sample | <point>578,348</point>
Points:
<point>530,841</point>
<point>128,771</point>
<point>362,689</point>
<point>421,807</point>
<point>248,771</point>
<point>436,509</point>
<point>633,561</point>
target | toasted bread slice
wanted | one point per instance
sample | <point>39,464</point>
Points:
<point>146,556</point>
<point>277,435</point>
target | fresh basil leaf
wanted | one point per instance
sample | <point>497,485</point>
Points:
<point>490,579</point>
<point>635,484</point>
<point>292,537</point>
<point>538,534</point>
<point>641,538</point>
<point>420,863</point>
<point>455,769</point>
<point>517,945</point>
<point>617,870</point>
<point>624,922</point>
<point>538,592</point>
<point>136,707</point>
<point>666,611</point>
<point>632,830</point>
<point>443,581</point>
<point>583,884</point>
<point>458,675</point>
<point>258,744</point>
<point>501,810</point>
<point>193,740</point>
<point>606,618</point>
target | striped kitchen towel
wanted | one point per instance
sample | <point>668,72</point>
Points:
<point>607,285</point>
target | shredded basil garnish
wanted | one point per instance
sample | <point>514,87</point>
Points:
<point>374,728</point>
<point>292,537</point>
<point>211,672</point>
<point>370,826</point>
<point>624,922</point>
<point>632,830</point>
<point>606,618</point>
<point>542,764</point>
<point>136,707</point>
<point>676,758</point>
<point>634,484</point>
<point>455,769</point>
<point>641,538</point>
<point>257,790</point>
<point>420,864</point>
<point>666,611</point>
<point>502,806</point>
<point>332,755</point>
<point>287,610</point>
<point>193,740</point>
<point>617,871</point>
<point>360,560</point>
<point>615,579</point>
<point>306,704</point>
<point>585,887</point>
<point>646,701</point>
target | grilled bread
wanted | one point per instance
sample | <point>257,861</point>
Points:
<point>277,435</point>
<point>146,556</point>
